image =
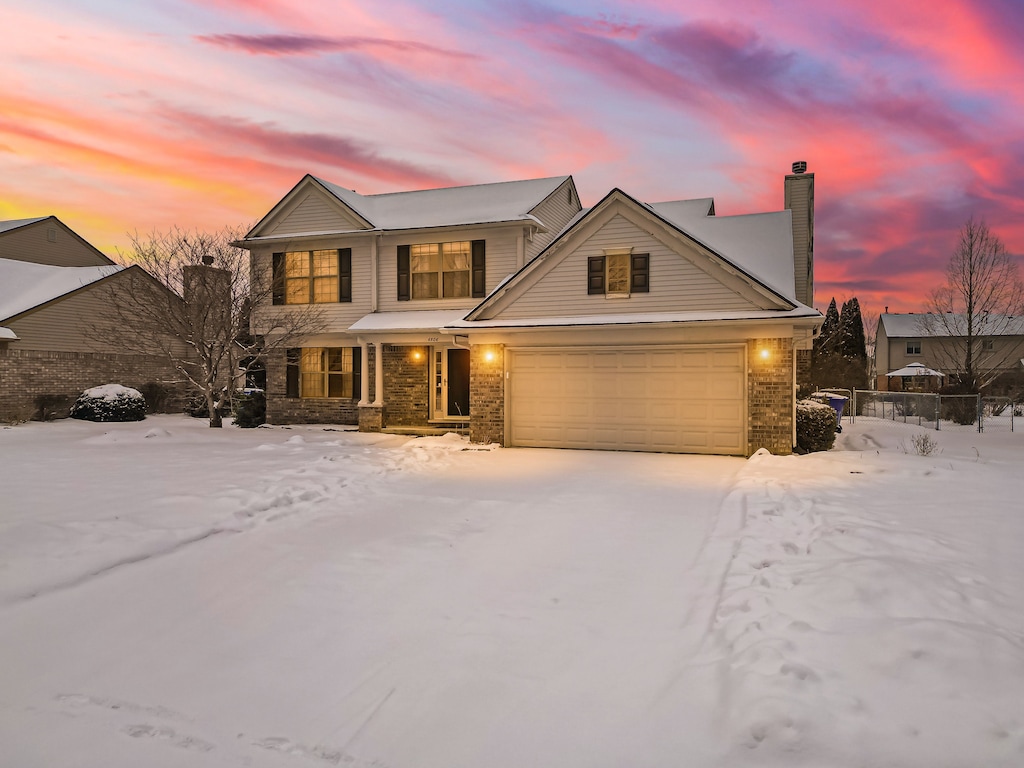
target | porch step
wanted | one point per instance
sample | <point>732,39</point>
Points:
<point>425,431</point>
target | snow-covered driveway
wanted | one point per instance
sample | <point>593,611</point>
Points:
<point>171,595</point>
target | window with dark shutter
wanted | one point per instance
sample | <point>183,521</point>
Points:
<point>345,274</point>
<point>403,273</point>
<point>479,269</point>
<point>277,276</point>
<point>595,274</point>
<point>640,273</point>
<point>291,385</point>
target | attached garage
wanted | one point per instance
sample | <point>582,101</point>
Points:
<point>685,399</point>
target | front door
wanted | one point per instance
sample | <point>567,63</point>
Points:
<point>451,384</point>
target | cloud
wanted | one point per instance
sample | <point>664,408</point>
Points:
<point>305,45</point>
<point>326,150</point>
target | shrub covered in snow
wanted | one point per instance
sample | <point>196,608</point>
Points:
<point>110,402</point>
<point>815,426</point>
<point>196,407</point>
<point>250,408</point>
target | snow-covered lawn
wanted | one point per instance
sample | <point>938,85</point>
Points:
<point>172,595</point>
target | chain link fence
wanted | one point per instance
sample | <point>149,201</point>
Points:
<point>940,412</point>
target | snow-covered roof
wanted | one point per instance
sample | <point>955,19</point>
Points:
<point>916,369</point>
<point>6,226</point>
<point>637,318</point>
<point>24,285</point>
<point>761,244</point>
<point>6,334</point>
<point>449,206</point>
<point>412,320</point>
<point>911,325</point>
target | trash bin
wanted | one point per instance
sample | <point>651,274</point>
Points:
<point>838,403</point>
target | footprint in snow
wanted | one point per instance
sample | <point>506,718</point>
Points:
<point>164,733</point>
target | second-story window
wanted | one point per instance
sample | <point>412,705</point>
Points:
<point>313,277</point>
<point>440,270</point>
<point>454,270</point>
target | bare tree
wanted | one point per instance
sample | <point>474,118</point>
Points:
<point>186,296</point>
<point>974,318</point>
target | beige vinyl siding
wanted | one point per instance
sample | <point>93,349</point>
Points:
<point>500,256</point>
<point>676,284</point>
<point>30,243</point>
<point>555,212</point>
<point>799,197</point>
<point>312,212</point>
<point>68,324</point>
<point>338,316</point>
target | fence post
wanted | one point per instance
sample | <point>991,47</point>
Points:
<point>938,412</point>
<point>980,412</point>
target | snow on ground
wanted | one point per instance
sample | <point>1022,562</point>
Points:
<point>173,595</point>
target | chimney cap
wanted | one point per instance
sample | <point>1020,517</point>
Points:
<point>800,166</point>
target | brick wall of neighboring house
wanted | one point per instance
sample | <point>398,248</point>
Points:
<point>770,395</point>
<point>487,394</point>
<point>282,409</point>
<point>407,389</point>
<point>29,375</point>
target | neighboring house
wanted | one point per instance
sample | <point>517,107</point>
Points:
<point>905,339</point>
<point>506,309</point>
<point>54,289</point>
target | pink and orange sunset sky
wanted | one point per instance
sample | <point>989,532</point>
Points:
<point>134,116</point>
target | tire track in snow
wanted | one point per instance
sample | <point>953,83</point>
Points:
<point>115,566</point>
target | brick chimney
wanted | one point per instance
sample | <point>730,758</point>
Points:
<point>799,188</point>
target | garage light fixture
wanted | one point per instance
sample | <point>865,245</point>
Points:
<point>765,354</point>
<point>489,356</point>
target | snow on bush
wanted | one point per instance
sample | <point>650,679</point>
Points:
<point>110,402</point>
<point>815,426</point>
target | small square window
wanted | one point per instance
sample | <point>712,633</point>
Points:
<point>913,347</point>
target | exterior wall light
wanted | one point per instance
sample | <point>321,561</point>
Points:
<point>489,356</point>
<point>765,354</point>
<point>417,355</point>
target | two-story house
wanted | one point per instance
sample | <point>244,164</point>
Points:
<point>508,309</point>
<point>905,341</point>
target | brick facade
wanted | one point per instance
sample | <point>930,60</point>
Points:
<point>770,390</point>
<point>407,390</point>
<point>29,374</point>
<point>487,394</point>
<point>282,409</point>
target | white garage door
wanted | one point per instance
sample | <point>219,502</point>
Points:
<point>680,399</point>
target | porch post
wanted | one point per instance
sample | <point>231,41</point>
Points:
<point>378,369</point>
<point>364,373</point>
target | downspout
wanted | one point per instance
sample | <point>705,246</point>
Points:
<point>374,273</point>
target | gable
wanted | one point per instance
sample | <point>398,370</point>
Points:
<point>47,241</point>
<point>684,275</point>
<point>311,210</point>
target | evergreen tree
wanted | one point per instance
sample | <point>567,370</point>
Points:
<point>824,343</point>
<point>840,349</point>
<point>851,341</point>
